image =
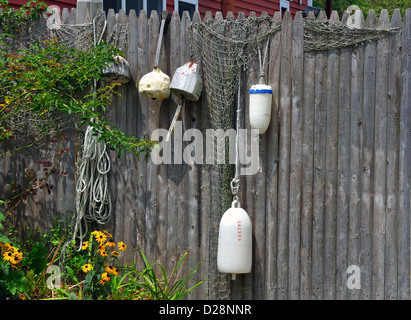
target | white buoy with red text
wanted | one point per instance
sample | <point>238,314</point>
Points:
<point>234,253</point>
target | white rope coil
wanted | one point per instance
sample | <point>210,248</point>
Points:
<point>93,201</point>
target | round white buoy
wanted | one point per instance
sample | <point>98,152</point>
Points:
<point>260,107</point>
<point>155,85</point>
<point>235,241</point>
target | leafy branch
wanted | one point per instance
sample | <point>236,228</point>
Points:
<point>49,77</point>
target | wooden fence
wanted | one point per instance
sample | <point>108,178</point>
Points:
<point>334,187</point>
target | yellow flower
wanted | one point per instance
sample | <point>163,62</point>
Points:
<point>103,253</point>
<point>18,253</point>
<point>85,245</point>
<point>7,246</point>
<point>87,267</point>
<point>115,254</point>
<point>100,237</point>
<point>111,270</point>
<point>15,260</point>
<point>22,297</point>
<point>8,256</point>
<point>108,234</point>
<point>102,250</point>
<point>122,246</point>
<point>104,278</point>
<point>110,243</point>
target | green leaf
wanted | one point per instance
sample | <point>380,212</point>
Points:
<point>16,282</point>
<point>37,257</point>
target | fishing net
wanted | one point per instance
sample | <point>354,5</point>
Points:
<point>224,48</point>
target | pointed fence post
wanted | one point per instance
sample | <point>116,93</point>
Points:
<point>86,10</point>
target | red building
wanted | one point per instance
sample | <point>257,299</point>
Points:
<point>236,6</point>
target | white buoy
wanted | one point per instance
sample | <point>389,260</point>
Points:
<point>260,107</point>
<point>155,85</point>
<point>235,241</point>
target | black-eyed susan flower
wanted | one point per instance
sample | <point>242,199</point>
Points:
<point>115,254</point>
<point>103,253</point>
<point>102,250</point>
<point>15,260</point>
<point>17,253</point>
<point>85,245</point>
<point>121,246</point>
<point>110,243</point>
<point>7,247</point>
<point>87,267</point>
<point>8,256</point>
<point>95,232</point>
<point>111,270</point>
<point>100,237</point>
<point>108,234</point>
<point>104,278</point>
<point>22,297</point>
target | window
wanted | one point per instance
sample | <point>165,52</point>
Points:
<point>186,5</point>
<point>284,6</point>
<point>137,5</point>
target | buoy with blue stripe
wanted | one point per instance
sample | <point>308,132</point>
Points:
<point>260,107</point>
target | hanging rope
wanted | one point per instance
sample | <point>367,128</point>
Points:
<point>93,201</point>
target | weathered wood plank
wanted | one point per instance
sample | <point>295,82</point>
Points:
<point>294,211</point>
<point>153,109</point>
<point>307,174</point>
<point>380,161</point>
<point>131,196</point>
<point>284,158</point>
<point>272,166</point>
<point>393,126</point>
<point>142,114</point>
<point>173,171</point>
<point>122,172</point>
<point>356,141</point>
<point>404,161</point>
<point>368,114</point>
<point>320,103</point>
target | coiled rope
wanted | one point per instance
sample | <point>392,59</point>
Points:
<point>93,201</point>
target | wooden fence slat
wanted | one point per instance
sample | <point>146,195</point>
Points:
<point>393,109</point>
<point>141,133</point>
<point>404,164</point>
<point>153,110</point>
<point>297,67</point>
<point>307,174</point>
<point>122,172</point>
<point>131,196</point>
<point>343,183</point>
<point>272,166</point>
<point>365,253</point>
<point>320,96</point>
<point>380,162</point>
<point>284,158</point>
<point>356,142</point>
